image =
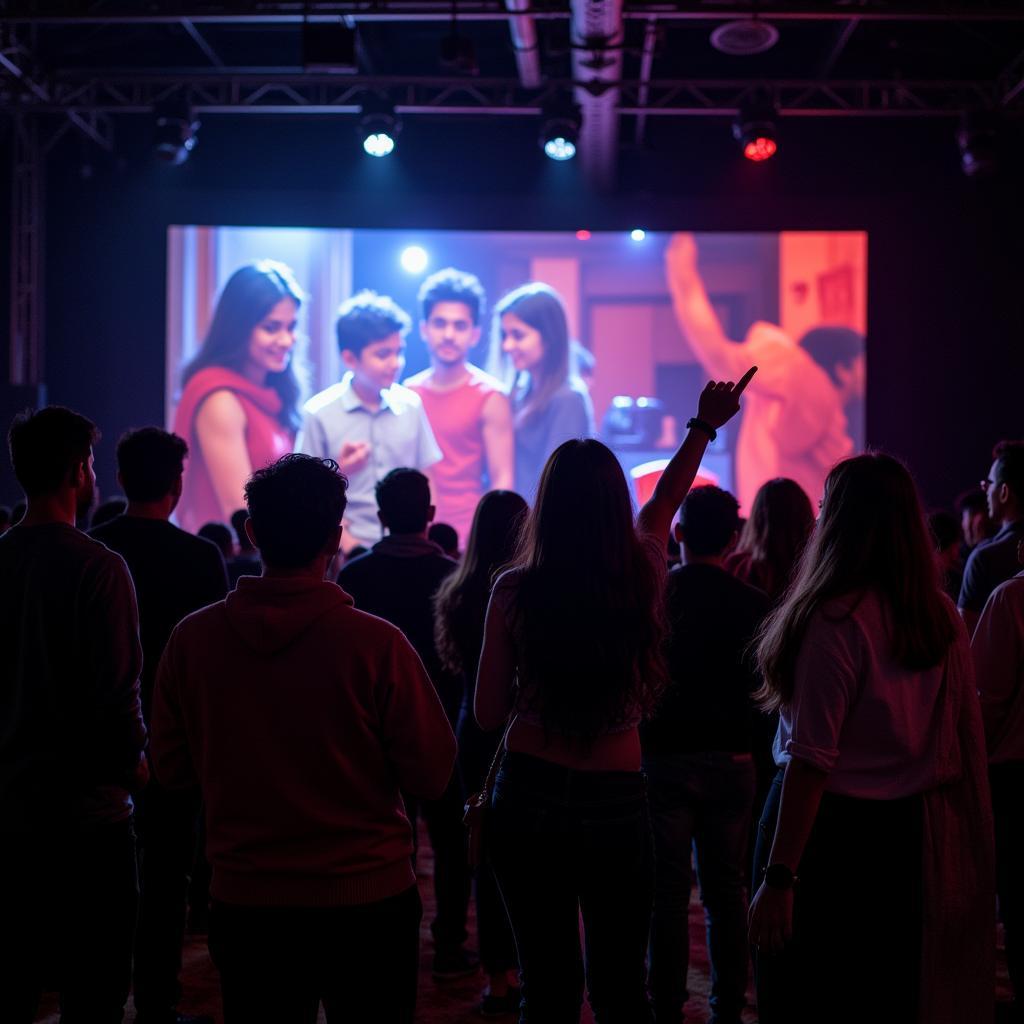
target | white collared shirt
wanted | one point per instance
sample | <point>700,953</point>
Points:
<point>397,433</point>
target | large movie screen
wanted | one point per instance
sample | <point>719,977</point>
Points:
<point>472,355</point>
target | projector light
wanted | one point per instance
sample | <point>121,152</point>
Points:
<point>414,259</point>
<point>754,128</point>
<point>379,126</point>
<point>561,121</point>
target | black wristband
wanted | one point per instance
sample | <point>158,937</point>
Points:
<point>699,424</point>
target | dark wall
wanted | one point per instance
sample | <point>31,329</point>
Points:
<point>946,266</point>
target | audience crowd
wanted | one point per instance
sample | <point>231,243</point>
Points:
<point>820,720</point>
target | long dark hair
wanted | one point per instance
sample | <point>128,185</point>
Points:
<point>539,307</point>
<point>588,615</point>
<point>461,602</point>
<point>870,536</point>
<point>251,293</point>
<point>781,520</point>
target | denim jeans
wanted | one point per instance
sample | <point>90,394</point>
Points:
<point>1007,781</point>
<point>701,802</point>
<point>857,916</point>
<point>67,918</point>
<point>567,843</point>
<point>278,963</point>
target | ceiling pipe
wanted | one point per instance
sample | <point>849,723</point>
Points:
<point>524,42</point>
<point>597,36</point>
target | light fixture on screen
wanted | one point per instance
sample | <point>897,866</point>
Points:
<point>561,121</point>
<point>414,259</point>
<point>755,127</point>
<point>638,234</point>
<point>378,126</point>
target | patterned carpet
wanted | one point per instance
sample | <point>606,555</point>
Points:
<point>452,1002</point>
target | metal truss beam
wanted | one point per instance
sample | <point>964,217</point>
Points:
<point>26,322</point>
<point>91,101</point>
<point>127,12</point>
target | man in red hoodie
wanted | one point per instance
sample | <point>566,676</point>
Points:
<point>302,719</point>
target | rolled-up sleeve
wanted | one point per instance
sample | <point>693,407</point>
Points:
<point>825,684</point>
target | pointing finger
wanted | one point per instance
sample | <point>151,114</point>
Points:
<point>745,380</point>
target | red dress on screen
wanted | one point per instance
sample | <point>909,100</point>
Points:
<point>266,438</point>
<point>456,418</point>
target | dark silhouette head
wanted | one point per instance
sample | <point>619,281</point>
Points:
<point>708,520</point>
<point>150,462</point>
<point>403,501</point>
<point>48,446</point>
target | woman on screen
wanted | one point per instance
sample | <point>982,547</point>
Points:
<point>550,404</point>
<point>239,407</point>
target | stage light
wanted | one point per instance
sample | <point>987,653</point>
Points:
<point>977,138</point>
<point>583,236</point>
<point>175,134</point>
<point>638,234</point>
<point>754,128</point>
<point>414,259</point>
<point>560,129</point>
<point>379,127</point>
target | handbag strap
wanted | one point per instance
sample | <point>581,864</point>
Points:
<point>499,754</point>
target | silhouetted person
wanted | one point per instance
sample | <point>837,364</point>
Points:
<point>174,574</point>
<point>397,580</point>
<point>975,525</point>
<point>301,718</point>
<point>459,610</point>
<point>998,648</point>
<point>107,510</point>
<point>71,738</point>
<point>697,757</point>
<point>946,537</point>
<point>246,561</point>
<point>446,538</point>
<point>220,536</point>
<point>995,560</point>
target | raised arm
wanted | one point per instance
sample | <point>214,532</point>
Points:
<point>697,319</point>
<point>719,402</point>
<point>499,442</point>
<point>220,430</point>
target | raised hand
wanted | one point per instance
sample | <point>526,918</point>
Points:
<point>720,400</point>
<point>353,456</point>
<point>681,257</point>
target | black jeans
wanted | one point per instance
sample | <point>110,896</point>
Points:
<point>1007,782</point>
<point>279,963</point>
<point>565,843</point>
<point>67,918</point>
<point>494,933</point>
<point>857,916</point>
<point>700,801</point>
<point>165,823</point>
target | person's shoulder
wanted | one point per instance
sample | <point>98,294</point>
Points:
<point>508,583</point>
<point>323,399</point>
<point>403,399</point>
<point>1009,593</point>
<point>572,392</point>
<point>484,381</point>
<point>417,380</point>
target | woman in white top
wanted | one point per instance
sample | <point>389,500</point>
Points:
<point>877,893</point>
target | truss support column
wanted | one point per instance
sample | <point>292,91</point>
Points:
<point>26,328</point>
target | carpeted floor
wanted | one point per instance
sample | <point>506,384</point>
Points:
<point>452,1002</point>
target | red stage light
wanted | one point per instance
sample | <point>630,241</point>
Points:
<point>761,148</point>
<point>583,236</point>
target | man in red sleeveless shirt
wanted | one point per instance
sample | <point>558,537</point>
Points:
<point>468,410</point>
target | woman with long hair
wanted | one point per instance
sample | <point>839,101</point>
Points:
<point>572,658</point>
<point>876,839</point>
<point>239,407</point>
<point>773,537</point>
<point>459,609</point>
<point>550,404</point>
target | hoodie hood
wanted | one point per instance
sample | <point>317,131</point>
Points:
<point>270,614</point>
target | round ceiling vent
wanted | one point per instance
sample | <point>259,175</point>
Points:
<point>744,36</point>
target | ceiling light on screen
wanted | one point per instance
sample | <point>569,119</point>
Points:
<point>583,235</point>
<point>638,234</point>
<point>414,259</point>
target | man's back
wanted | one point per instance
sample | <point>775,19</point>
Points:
<point>397,581</point>
<point>992,562</point>
<point>712,619</point>
<point>70,720</point>
<point>174,572</point>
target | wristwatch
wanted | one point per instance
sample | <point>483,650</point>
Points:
<point>778,876</point>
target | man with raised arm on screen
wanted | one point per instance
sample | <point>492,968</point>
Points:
<point>793,423</point>
<point>367,422</point>
<point>467,408</point>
